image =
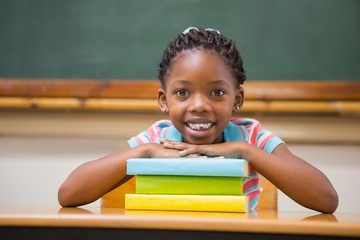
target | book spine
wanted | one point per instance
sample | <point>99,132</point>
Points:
<point>187,203</point>
<point>189,185</point>
<point>188,166</point>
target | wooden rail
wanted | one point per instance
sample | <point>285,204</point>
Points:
<point>261,96</point>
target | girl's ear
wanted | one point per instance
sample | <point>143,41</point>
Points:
<point>239,99</point>
<point>162,100</point>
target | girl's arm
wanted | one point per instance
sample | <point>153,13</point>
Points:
<point>93,179</point>
<point>295,177</point>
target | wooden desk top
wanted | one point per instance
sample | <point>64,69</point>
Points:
<point>265,222</point>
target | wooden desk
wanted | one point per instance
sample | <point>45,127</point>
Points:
<point>112,223</point>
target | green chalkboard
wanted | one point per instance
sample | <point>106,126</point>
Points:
<point>124,39</point>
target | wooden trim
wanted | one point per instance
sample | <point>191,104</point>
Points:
<point>269,97</point>
<point>254,90</point>
<point>78,88</point>
<point>150,105</point>
<point>302,90</point>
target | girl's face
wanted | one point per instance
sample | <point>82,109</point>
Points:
<point>200,96</point>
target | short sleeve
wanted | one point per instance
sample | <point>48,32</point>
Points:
<point>152,135</point>
<point>266,139</point>
<point>255,134</point>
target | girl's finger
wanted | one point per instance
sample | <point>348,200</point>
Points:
<point>163,141</point>
<point>195,155</point>
<point>173,146</point>
<point>187,152</point>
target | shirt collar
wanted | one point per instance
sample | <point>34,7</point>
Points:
<point>232,133</point>
<point>173,134</point>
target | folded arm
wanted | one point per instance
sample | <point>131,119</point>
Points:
<point>298,179</point>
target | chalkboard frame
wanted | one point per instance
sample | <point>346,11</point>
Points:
<point>257,90</point>
<point>277,97</point>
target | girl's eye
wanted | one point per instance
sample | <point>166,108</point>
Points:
<point>181,93</point>
<point>218,93</point>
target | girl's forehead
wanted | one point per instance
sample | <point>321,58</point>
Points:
<point>196,58</point>
<point>196,52</point>
<point>199,64</point>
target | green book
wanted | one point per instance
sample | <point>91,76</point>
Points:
<point>189,185</point>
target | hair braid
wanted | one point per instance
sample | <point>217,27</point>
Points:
<point>208,40</point>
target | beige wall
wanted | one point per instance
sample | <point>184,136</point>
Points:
<point>341,164</point>
<point>38,151</point>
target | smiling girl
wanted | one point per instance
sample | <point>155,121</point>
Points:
<point>201,76</point>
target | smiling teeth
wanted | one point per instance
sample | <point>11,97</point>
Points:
<point>198,126</point>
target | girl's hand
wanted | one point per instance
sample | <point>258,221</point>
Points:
<point>228,150</point>
<point>155,150</point>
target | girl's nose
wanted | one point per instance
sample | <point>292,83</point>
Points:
<point>199,103</point>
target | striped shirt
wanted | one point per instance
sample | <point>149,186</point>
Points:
<point>238,130</point>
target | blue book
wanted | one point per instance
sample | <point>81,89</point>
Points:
<point>189,166</point>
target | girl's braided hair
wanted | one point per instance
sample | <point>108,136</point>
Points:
<point>207,39</point>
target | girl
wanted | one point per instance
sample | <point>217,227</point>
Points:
<point>201,76</point>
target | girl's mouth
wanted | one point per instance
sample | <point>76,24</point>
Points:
<point>199,126</point>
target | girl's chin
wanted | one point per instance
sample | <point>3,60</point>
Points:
<point>199,136</point>
<point>198,141</point>
<point>201,139</point>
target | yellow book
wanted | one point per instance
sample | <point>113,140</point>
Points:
<point>210,203</point>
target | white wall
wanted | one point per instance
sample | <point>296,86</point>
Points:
<point>341,164</point>
<point>39,149</point>
<point>32,169</point>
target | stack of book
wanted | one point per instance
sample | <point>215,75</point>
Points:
<point>188,184</point>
